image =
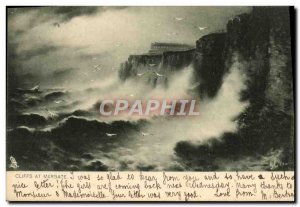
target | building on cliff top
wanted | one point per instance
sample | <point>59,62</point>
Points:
<point>160,47</point>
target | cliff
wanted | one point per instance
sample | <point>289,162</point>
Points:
<point>209,63</point>
<point>139,64</point>
<point>165,63</point>
<point>261,43</point>
<point>269,68</point>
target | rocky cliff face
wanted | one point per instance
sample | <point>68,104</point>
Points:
<point>165,63</point>
<point>209,63</point>
<point>173,61</point>
<point>261,43</point>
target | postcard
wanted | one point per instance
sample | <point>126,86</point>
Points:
<point>157,103</point>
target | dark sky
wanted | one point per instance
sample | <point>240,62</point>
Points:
<point>60,46</point>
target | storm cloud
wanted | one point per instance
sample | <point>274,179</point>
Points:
<point>42,40</point>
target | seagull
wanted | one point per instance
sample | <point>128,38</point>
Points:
<point>195,85</point>
<point>56,24</point>
<point>146,134</point>
<point>110,135</point>
<point>179,18</point>
<point>35,88</point>
<point>97,68</point>
<point>160,75</point>
<point>118,44</point>
<point>59,101</point>
<point>202,28</point>
<point>173,33</point>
